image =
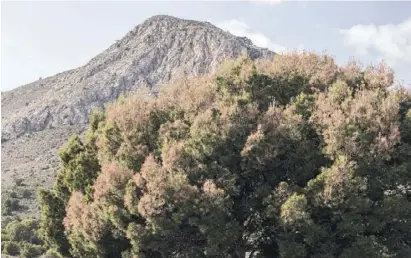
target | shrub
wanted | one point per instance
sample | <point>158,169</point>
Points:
<point>31,251</point>
<point>13,194</point>
<point>10,248</point>
<point>22,231</point>
<point>52,253</point>
<point>18,181</point>
<point>5,220</point>
<point>26,193</point>
<point>23,238</point>
<point>10,205</point>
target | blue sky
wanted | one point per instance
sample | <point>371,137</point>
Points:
<point>40,39</point>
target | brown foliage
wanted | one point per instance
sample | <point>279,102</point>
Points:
<point>320,70</point>
<point>84,218</point>
<point>366,124</point>
<point>163,190</point>
<point>112,179</point>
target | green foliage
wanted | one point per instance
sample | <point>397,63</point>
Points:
<point>22,231</point>
<point>10,204</point>
<point>51,224</point>
<point>97,117</point>
<point>31,251</point>
<point>18,181</point>
<point>79,169</point>
<point>295,157</point>
<point>13,194</point>
<point>10,248</point>
<point>25,193</point>
<point>22,239</point>
<point>52,253</point>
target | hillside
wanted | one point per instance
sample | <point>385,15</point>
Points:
<point>37,118</point>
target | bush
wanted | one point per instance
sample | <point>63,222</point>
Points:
<point>52,253</point>
<point>21,249</point>
<point>10,205</point>
<point>13,194</point>
<point>5,220</point>
<point>18,181</point>
<point>22,238</point>
<point>22,231</point>
<point>31,251</point>
<point>10,248</point>
<point>26,193</point>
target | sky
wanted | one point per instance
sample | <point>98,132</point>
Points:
<point>40,39</point>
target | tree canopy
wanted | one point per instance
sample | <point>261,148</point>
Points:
<point>291,157</point>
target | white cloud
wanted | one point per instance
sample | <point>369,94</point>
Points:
<point>391,42</point>
<point>241,29</point>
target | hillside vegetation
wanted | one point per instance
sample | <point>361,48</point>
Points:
<point>293,157</point>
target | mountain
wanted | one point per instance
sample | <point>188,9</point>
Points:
<point>38,118</point>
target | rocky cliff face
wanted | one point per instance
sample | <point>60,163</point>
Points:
<point>37,118</point>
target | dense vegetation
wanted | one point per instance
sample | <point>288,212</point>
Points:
<point>295,157</point>
<point>19,238</point>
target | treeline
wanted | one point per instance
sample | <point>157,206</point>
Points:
<point>293,157</point>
